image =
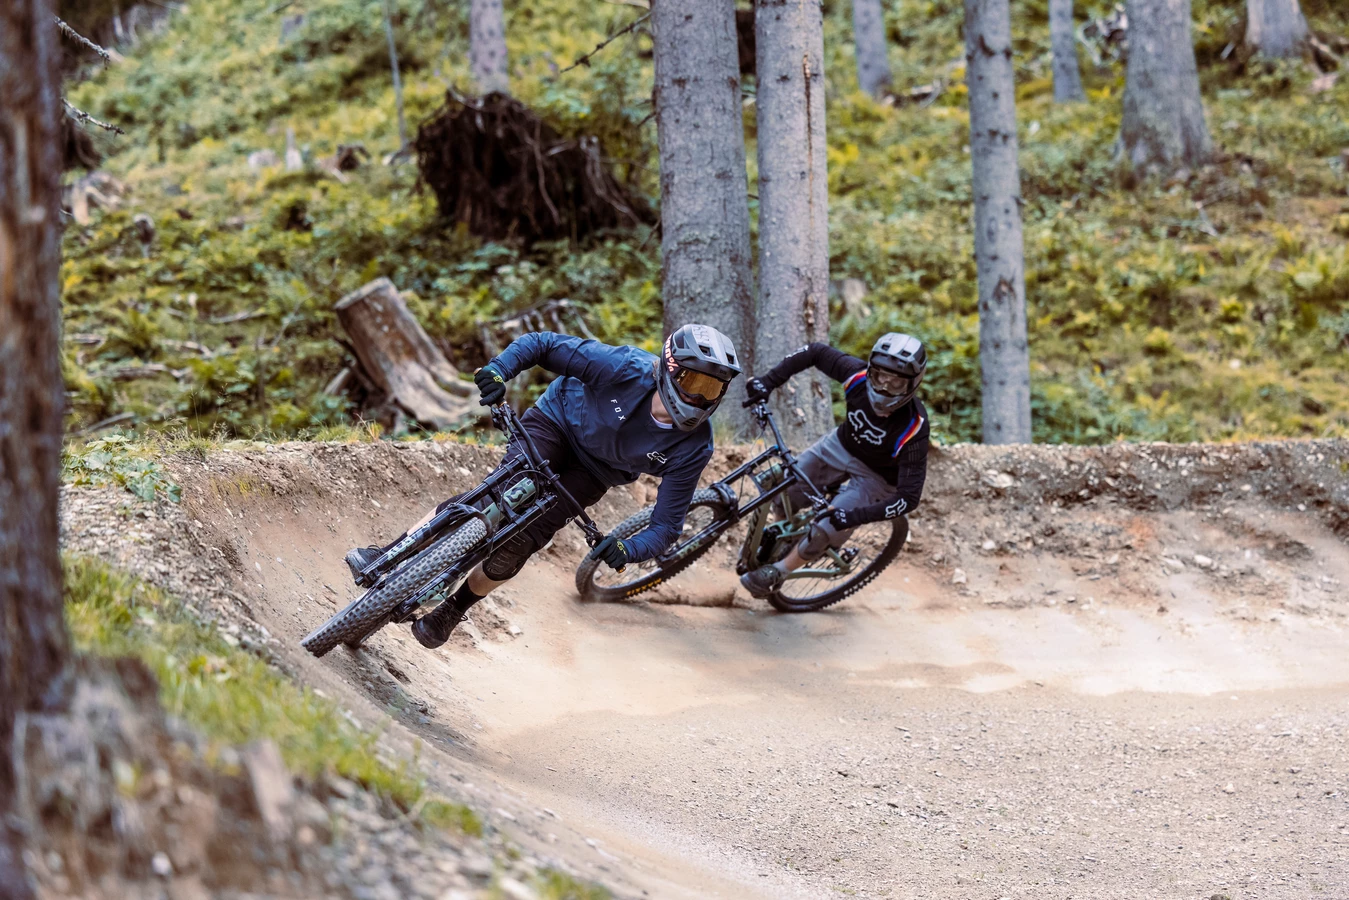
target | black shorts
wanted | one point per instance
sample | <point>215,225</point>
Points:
<point>508,559</point>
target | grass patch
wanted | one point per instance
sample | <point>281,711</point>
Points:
<point>555,885</point>
<point>230,694</point>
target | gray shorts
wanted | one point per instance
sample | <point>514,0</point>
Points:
<point>826,463</point>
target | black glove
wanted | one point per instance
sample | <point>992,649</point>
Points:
<point>756,390</point>
<point>490,384</point>
<point>612,551</point>
<point>839,519</point>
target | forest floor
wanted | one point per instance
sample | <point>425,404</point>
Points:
<point>1110,671</point>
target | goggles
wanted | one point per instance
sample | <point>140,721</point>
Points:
<point>891,384</point>
<point>699,388</point>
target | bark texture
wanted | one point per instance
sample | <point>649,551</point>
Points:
<point>397,77</point>
<point>33,644</point>
<point>793,306</point>
<point>487,46</point>
<point>1275,27</point>
<point>873,64</point>
<point>400,358</point>
<point>1004,355</point>
<point>1063,38</point>
<point>1163,124</point>
<point>704,210</point>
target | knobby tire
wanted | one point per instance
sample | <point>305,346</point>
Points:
<point>597,593</point>
<point>899,533</point>
<point>368,612</point>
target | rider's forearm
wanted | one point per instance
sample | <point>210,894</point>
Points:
<point>833,363</point>
<point>588,360</point>
<point>667,518</point>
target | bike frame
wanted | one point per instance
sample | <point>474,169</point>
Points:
<point>778,451</point>
<point>490,494</point>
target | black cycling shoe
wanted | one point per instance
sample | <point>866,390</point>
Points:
<point>360,557</point>
<point>762,581</point>
<point>433,629</point>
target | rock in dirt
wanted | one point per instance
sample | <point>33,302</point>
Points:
<point>273,794</point>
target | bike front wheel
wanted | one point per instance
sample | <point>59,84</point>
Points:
<point>369,612</point>
<point>597,582</point>
<point>829,579</point>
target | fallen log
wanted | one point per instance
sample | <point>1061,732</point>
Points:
<point>399,357</point>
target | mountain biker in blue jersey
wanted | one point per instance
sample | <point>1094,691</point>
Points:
<point>616,413</point>
<point>880,448</point>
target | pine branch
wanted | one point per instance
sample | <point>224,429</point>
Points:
<point>585,59</point>
<point>80,115</point>
<point>81,39</point>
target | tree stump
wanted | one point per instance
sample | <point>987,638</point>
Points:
<point>399,357</point>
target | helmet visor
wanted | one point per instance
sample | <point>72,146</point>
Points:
<point>699,388</point>
<point>891,384</point>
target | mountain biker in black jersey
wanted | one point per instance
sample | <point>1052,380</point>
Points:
<point>880,449</point>
<point>616,413</point>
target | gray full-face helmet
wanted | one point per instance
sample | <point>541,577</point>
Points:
<point>894,371</point>
<point>695,366</point>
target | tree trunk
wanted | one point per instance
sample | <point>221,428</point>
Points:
<point>998,250</point>
<point>1275,27</point>
<point>33,645</point>
<point>868,30</point>
<point>1163,124</point>
<point>793,306</point>
<point>1063,37</point>
<point>487,46</point>
<point>397,78</point>
<point>400,358</point>
<point>704,210</point>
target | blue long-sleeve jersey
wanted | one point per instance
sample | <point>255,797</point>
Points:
<point>602,403</point>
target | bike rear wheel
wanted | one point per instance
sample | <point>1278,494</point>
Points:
<point>369,612</point>
<point>877,543</point>
<point>597,582</point>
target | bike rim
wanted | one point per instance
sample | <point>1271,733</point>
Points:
<point>698,518</point>
<point>869,540</point>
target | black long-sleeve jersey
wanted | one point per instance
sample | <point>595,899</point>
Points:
<point>894,446</point>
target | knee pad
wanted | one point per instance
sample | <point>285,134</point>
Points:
<point>507,561</point>
<point>822,536</point>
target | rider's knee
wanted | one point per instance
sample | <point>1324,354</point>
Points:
<point>509,559</point>
<point>821,537</point>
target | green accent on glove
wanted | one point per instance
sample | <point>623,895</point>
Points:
<point>611,551</point>
<point>490,384</point>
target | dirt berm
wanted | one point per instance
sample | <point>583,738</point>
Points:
<point>1095,672</point>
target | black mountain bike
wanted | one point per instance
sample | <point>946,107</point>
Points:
<point>774,525</point>
<point>429,564</point>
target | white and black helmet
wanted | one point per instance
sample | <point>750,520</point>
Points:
<point>695,366</point>
<point>894,371</point>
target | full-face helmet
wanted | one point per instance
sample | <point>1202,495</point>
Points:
<point>695,366</point>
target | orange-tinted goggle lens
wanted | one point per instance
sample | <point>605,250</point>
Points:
<point>699,386</point>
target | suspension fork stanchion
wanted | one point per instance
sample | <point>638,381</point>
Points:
<point>789,458</point>
<point>593,534</point>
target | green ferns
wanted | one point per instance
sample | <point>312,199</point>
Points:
<point>1209,306</point>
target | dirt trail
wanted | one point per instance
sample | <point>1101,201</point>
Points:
<point>1094,672</point>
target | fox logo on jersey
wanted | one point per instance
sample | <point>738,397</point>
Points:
<point>657,457</point>
<point>865,429</point>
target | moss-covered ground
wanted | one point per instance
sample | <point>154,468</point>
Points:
<point>1212,305</point>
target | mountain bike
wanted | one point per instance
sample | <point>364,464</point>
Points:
<point>428,565</point>
<point>778,503</point>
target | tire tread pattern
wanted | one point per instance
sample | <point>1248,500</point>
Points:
<point>594,593</point>
<point>366,613</point>
<point>898,535</point>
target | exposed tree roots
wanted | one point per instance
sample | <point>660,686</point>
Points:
<point>501,170</point>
